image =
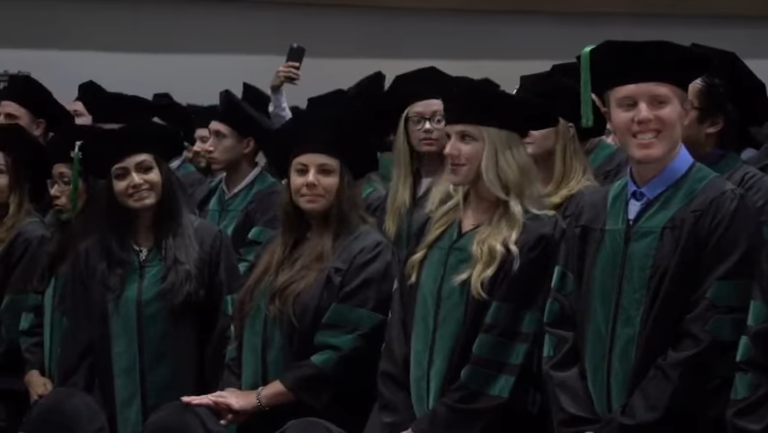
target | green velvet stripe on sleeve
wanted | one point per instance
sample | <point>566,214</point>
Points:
<point>342,330</point>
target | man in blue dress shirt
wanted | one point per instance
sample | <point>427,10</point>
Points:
<point>652,288</point>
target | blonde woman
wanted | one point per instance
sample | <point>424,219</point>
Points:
<point>462,340</point>
<point>556,151</point>
<point>416,110</point>
<point>23,237</point>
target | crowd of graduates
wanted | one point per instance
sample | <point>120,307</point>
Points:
<point>426,254</point>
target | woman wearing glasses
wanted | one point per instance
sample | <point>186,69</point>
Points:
<point>42,322</point>
<point>22,237</point>
<point>414,99</point>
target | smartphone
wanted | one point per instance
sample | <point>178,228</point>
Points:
<point>295,54</point>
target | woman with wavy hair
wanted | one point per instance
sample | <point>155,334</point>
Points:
<point>462,345</point>
<point>143,295</point>
<point>415,110</point>
<point>556,151</point>
<point>23,237</point>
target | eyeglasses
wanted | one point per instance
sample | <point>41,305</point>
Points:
<point>63,184</point>
<point>419,122</point>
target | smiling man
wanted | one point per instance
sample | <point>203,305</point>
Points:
<point>653,284</point>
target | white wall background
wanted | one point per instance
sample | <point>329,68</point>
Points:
<point>194,49</point>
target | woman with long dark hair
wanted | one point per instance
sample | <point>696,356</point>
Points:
<point>310,321</point>
<point>68,223</point>
<point>143,297</point>
<point>23,236</point>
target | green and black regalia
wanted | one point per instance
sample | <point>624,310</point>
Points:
<point>453,362</point>
<point>749,179</point>
<point>25,247</point>
<point>644,317</point>
<point>328,354</point>
<point>225,210</point>
<point>609,162</point>
<point>137,351</point>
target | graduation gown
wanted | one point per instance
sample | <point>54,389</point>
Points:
<point>412,225</point>
<point>328,358</point>
<point>608,162</point>
<point>644,318</point>
<point>748,179</point>
<point>760,159</point>
<point>42,325</point>
<point>374,195</point>
<point>17,257</point>
<point>455,363</point>
<point>224,212</point>
<point>256,226</point>
<point>136,352</point>
<point>196,185</point>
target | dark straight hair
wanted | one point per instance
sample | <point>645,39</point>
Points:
<point>173,235</point>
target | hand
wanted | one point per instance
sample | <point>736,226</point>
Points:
<point>37,385</point>
<point>287,73</point>
<point>232,404</point>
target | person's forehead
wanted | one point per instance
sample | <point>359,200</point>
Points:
<point>12,107</point>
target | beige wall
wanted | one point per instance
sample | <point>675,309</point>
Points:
<point>193,49</point>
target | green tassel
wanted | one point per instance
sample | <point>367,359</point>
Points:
<point>587,119</point>
<point>73,192</point>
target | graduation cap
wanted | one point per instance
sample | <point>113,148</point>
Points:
<point>175,115</point>
<point>89,92</point>
<point>612,64</point>
<point>327,126</point>
<point>568,71</point>
<point>744,89</point>
<point>243,118</point>
<point>106,148</point>
<point>411,87</point>
<point>118,108</point>
<point>27,155</point>
<point>60,149</point>
<point>258,99</point>
<point>64,148</point>
<point>33,96</point>
<point>475,103</point>
<point>368,98</point>
<point>562,98</point>
<point>202,115</point>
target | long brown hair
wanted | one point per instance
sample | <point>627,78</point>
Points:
<point>293,260</point>
<point>19,204</point>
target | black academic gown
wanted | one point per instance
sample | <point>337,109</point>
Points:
<point>412,225</point>
<point>226,212</point>
<point>455,363</point>
<point>328,357</point>
<point>256,226</point>
<point>196,185</point>
<point>19,253</point>
<point>643,320</point>
<point>749,179</point>
<point>137,352</point>
<point>43,322</point>
<point>609,162</point>
<point>374,192</point>
<point>760,159</point>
